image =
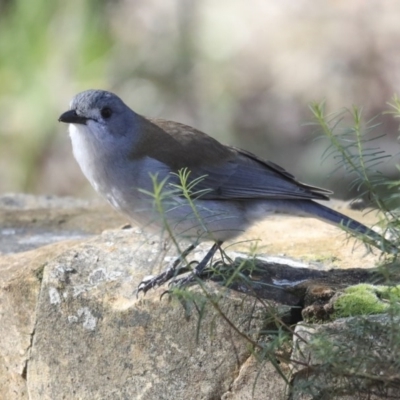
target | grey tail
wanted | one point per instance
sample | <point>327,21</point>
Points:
<point>331,216</point>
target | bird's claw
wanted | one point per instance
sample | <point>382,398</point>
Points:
<point>186,281</point>
<point>162,278</point>
<point>155,281</point>
<point>199,271</point>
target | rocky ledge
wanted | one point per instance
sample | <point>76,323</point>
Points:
<point>73,327</point>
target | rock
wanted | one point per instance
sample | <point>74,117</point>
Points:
<point>94,339</point>
<point>71,325</point>
<point>19,290</point>
<point>29,222</point>
<point>350,358</point>
<point>258,381</point>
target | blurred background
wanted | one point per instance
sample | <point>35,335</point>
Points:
<point>244,72</point>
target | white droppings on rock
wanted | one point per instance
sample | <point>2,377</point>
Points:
<point>54,296</point>
<point>89,321</point>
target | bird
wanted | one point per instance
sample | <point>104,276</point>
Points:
<point>126,157</point>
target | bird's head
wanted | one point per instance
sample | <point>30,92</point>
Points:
<point>103,117</point>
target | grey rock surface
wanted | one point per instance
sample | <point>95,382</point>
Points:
<point>350,358</point>
<point>71,326</point>
<point>28,222</point>
<point>258,382</point>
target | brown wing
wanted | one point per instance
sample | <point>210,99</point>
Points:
<point>228,173</point>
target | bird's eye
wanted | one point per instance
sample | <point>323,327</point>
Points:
<point>106,112</point>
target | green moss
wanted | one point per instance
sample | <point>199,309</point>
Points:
<point>364,299</point>
<point>391,293</point>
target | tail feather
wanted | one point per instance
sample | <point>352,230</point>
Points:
<point>331,216</point>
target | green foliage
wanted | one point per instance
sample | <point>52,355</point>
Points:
<point>46,48</point>
<point>361,356</point>
<point>187,189</point>
<point>348,149</point>
<point>165,197</point>
<point>356,154</point>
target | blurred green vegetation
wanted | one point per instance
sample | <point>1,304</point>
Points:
<point>45,48</point>
<point>245,75</point>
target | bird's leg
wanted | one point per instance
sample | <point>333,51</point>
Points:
<point>225,259</point>
<point>169,273</point>
<point>199,269</point>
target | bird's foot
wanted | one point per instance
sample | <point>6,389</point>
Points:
<point>172,272</point>
<point>154,281</point>
<point>149,282</point>
<point>184,282</point>
<point>196,274</point>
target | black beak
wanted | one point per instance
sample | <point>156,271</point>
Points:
<point>71,117</point>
